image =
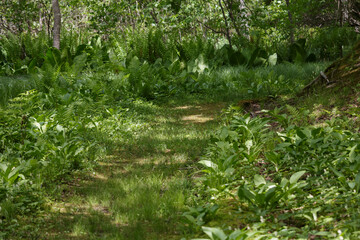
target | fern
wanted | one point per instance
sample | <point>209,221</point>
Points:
<point>293,111</point>
<point>299,116</point>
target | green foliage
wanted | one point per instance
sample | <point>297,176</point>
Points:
<point>61,110</point>
<point>306,176</point>
<point>149,46</point>
<point>299,54</point>
<point>47,135</point>
<point>197,217</point>
<point>327,42</point>
<point>267,195</point>
<point>218,234</point>
<point>233,146</point>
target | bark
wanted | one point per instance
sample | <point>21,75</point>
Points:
<point>245,15</point>
<point>212,29</point>
<point>340,20</point>
<point>57,24</point>
<point>340,13</point>
<point>227,30</point>
<point>153,15</point>
<point>229,6</point>
<point>292,38</point>
<point>354,14</point>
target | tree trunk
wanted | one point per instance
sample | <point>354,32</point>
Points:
<point>354,14</point>
<point>227,30</point>
<point>292,38</point>
<point>229,6</point>
<point>57,24</point>
<point>340,20</point>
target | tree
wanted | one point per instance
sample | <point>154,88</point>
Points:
<point>354,14</point>
<point>57,24</point>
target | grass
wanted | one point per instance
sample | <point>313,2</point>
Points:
<point>216,85</point>
<point>10,87</point>
<point>141,190</point>
<point>229,83</point>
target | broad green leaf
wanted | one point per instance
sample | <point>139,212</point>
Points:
<point>273,59</point>
<point>190,219</point>
<point>259,180</point>
<point>244,193</point>
<point>340,176</point>
<point>209,164</point>
<point>79,150</point>
<point>352,154</point>
<point>352,185</point>
<point>296,176</point>
<point>214,233</point>
<point>229,171</point>
<point>11,179</point>
<point>224,133</point>
<point>14,172</point>
<point>59,128</point>
<point>283,182</point>
<point>238,235</point>
<point>37,125</point>
<point>79,63</point>
<point>330,234</point>
<point>283,145</point>
<point>270,193</point>
<point>3,167</point>
<point>357,181</point>
<point>229,160</point>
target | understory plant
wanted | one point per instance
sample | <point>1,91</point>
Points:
<point>289,181</point>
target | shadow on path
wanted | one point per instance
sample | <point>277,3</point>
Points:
<point>140,191</point>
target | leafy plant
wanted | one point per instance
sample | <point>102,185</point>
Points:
<point>198,216</point>
<point>219,234</point>
<point>266,195</point>
<point>299,54</point>
<point>237,143</point>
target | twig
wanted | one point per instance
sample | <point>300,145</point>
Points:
<point>214,30</point>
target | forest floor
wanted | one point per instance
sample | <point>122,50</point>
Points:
<point>141,190</point>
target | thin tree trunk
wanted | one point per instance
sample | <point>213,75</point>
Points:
<point>353,14</point>
<point>153,15</point>
<point>227,31</point>
<point>57,23</point>
<point>229,6</point>
<point>341,20</point>
<point>292,38</point>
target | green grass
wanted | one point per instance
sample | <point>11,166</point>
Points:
<point>10,87</point>
<point>141,190</point>
<point>325,205</point>
<point>226,83</point>
<point>221,84</point>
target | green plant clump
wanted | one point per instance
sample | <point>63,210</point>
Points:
<point>289,181</point>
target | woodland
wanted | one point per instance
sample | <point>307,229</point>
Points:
<point>180,119</point>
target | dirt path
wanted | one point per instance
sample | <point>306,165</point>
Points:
<point>141,190</point>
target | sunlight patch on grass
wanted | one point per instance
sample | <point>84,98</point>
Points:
<point>198,118</point>
<point>183,107</point>
<point>140,191</point>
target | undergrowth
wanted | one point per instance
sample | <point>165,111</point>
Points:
<point>266,174</point>
<point>283,174</point>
